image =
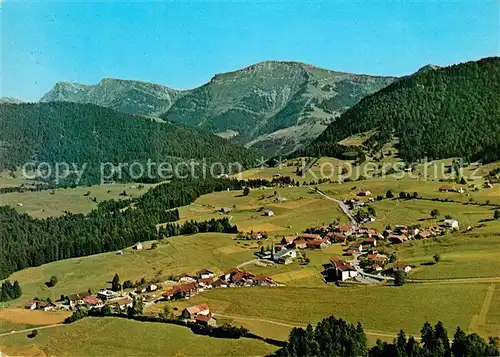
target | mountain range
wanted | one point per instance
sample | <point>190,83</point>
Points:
<point>272,107</point>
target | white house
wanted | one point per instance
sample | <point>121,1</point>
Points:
<point>401,267</point>
<point>451,223</point>
<point>285,256</point>
<point>106,294</point>
<point>205,274</point>
<point>343,270</point>
<point>137,246</point>
<point>268,213</point>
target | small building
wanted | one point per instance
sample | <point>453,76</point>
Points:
<point>450,223</point>
<point>447,188</point>
<point>288,239</point>
<point>343,270</point>
<point>309,236</point>
<point>138,246</point>
<point>318,243</point>
<point>105,294</point>
<point>284,256</point>
<point>357,247</point>
<point>194,311</point>
<point>206,320</point>
<point>181,291</point>
<point>401,267</point>
<point>225,210</point>
<point>77,299</point>
<point>268,213</point>
<point>205,274</point>
<point>92,301</point>
<point>299,244</point>
<point>344,229</point>
<point>39,305</point>
<point>122,303</point>
<point>364,193</point>
<point>379,259</point>
<point>370,242</point>
<point>397,239</point>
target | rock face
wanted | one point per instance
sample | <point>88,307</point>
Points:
<point>274,107</point>
<point>10,100</point>
<point>132,97</point>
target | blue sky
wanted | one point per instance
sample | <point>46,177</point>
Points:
<point>183,44</point>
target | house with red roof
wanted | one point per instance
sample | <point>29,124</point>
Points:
<point>197,310</point>
<point>342,270</point>
<point>206,320</point>
<point>299,244</point>
<point>336,237</point>
<point>397,239</point>
<point>318,243</point>
<point>309,236</point>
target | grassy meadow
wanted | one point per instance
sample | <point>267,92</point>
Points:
<point>121,337</point>
<point>53,203</point>
<point>381,309</point>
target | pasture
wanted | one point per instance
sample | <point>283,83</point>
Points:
<point>54,203</point>
<point>121,337</point>
<point>176,255</point>
<point>383,310</point>
<point>301,209</point>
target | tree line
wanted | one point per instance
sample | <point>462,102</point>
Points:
<point>336,337</point>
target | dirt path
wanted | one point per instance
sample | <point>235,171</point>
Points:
<point>31,329</point>
<point>285,324</point>
<point>480,320</point>
<point>343,207</point>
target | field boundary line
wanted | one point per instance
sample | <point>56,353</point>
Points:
<point>43,327</point>
<point>289,324</point>
<point>486,305</point>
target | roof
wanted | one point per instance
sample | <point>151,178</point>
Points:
<point>318,241</point>
<point>340,264</point>
<point>369,240</point>
<point>122,301</point>
<point>78,296</point>
<point>289,239</point>
<point>204,318</point>
<point>92,300</point>
<point>260,278</point>
<point>344,228</point>
<point>351,251</point>
<point>299,242</point>
<point>204,271</point>
<point>376,257</point>
<point>29,303</point>
<point>308,236</point>
<point>450,221</point>
<point>447,187</point>
<point>401,265</point>
<point>193,310</point>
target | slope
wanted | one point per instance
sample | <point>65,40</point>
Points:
<point>132,97</point>
<point>85,133</point>
<point>439,113</point>
<point>273,106</point>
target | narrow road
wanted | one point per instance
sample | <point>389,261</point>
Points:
<point>254,261</point>
<point>343,207</point>
<point>31,329</point>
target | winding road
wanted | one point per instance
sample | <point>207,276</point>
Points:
<point>343,207</point>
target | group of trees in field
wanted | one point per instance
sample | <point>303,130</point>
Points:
<point>336,337</point>
<point>440,113</point>
<point>10,291</point>
<point>114,225</point>
<point>220,225</point>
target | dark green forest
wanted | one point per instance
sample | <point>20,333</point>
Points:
<point>336,337</point>
<point>440,113</point>
<point>27,242</point>
<point>85,133</point>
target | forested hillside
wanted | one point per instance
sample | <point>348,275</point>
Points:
<point>85,133</point>
<point>436,113</point>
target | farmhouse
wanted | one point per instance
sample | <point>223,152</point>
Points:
<point>299,244</point>
<point>370,242</point>
<point>206,320</point>
<point>205,274</point>
<point>122,303</point>
<point>284,256</point>
<point>181,291</point>
<point>225,210</point>
<point>146,287</point>
<point>92,301</point>
<point>356,247</point>
<point>344,229</point>
<point>336,237</point>
<point>106,294</point>
<point>193,311</point>
<point>397,239</point>
<point>401,267</point>
<point>378,259</point>
<point>138,246</point>
<point>450,223</point>
<point>447,188</point>
<point>39,305</point>
<point>318,243</point>
<point>268,213</point>
<point>77,299</point>
<point>364,193</point>
<point>288,239</point>
<point>343,270</point>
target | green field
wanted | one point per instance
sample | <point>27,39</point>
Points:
<point>176,255</point>
<point>53,203</point>
<point>301,209</point>
<point>121,337</point>
<point>382,309</point>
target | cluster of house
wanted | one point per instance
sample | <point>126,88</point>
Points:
<point>207,279</point>
<point>84,299</point>
<point>450,188</point>
<point>200,314</point>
